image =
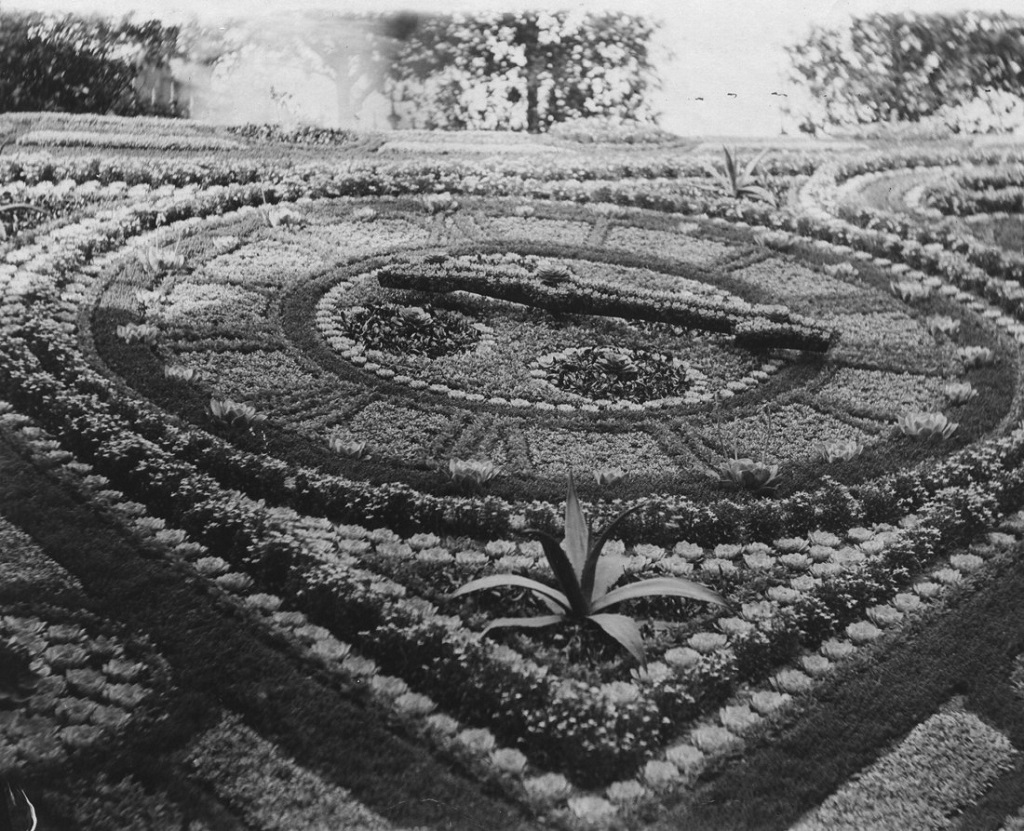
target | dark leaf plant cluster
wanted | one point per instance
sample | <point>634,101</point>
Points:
<point>585,581</point>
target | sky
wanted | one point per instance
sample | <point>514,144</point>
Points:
<point>720,60</point>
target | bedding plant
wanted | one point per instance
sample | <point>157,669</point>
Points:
<point>345,398</point>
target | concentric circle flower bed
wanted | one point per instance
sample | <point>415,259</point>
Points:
<point>356,405</point>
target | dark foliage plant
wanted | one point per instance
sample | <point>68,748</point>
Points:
<point>75,64</point>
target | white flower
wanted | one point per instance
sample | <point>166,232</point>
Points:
<point>884,616</point>
<point>626,792</point>
<point>688,551</point>
<point>707,642</point>
<point>508,760</point>
<point>735,627</point>
<point>442,724</point>
<point>836,650</point>
<point>476,741</point>
<point>966,562</point>
<point>907,602</point>
<point>738,719</point>
<point>656,672</point>
<point>330,649</point>
<point>659,774</point>
<point>815,665</point>
<point>686,757</point>
<point>791,681</point>
<point>714,740</point>
<point>547,788</point>
<point>682,657</point>
<point>758,561</point>
<point>388,686</point>
<point>947,576</point>
<point>591,808</point>
<point>862,632</point>
<point>414,704</point>
<point>620,692</point>
<point>768,701</point>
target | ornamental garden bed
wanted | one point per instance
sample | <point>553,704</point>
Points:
<point>322,399</point>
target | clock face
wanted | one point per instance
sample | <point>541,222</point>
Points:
<point>540,343</point>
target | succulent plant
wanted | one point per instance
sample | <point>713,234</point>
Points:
<point>976,356</point>
<point>472,473</point>
<point>959,392</point>
<point>926,425</point>
<point>281,215</point>
<point>743,472</point>
<point>141,332</point>
<point>907,290</point>
<point>234,414</point>
<point>618,364</point>
<point>942,325</point>
<point>553,274</point>
<point>17,813</point>
<point>748,475</point>
<point>439,203</point>
<point>366,214</point>
<point>609,476</point>
<point>155,260</point>
<point>585,582</point>
<point>742,184</point>
<point>840,451</point>
<point>349,449</point>
<point>182,373</point>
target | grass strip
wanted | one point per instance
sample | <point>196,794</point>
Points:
<point>219,662</point>
<point>267,788</point>
<point>945,763</point>
<point>964,650</point>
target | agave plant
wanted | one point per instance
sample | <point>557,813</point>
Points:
<point>585,582</point>
<point>17,813</point>
<point>926,425</point>
<point>472,472</point>
<point>234,414</point>
<point>742,184</point>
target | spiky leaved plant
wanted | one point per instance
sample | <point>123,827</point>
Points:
<point>742,184</point>
<point>585,581</point>
<point>745,473</point>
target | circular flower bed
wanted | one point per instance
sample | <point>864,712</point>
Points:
<point>370,544</point>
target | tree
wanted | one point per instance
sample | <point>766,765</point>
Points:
<point>525,70</point>
<point>906,66</point>
<point>77,64</point>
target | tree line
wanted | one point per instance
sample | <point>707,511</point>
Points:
<point>526,70</point>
